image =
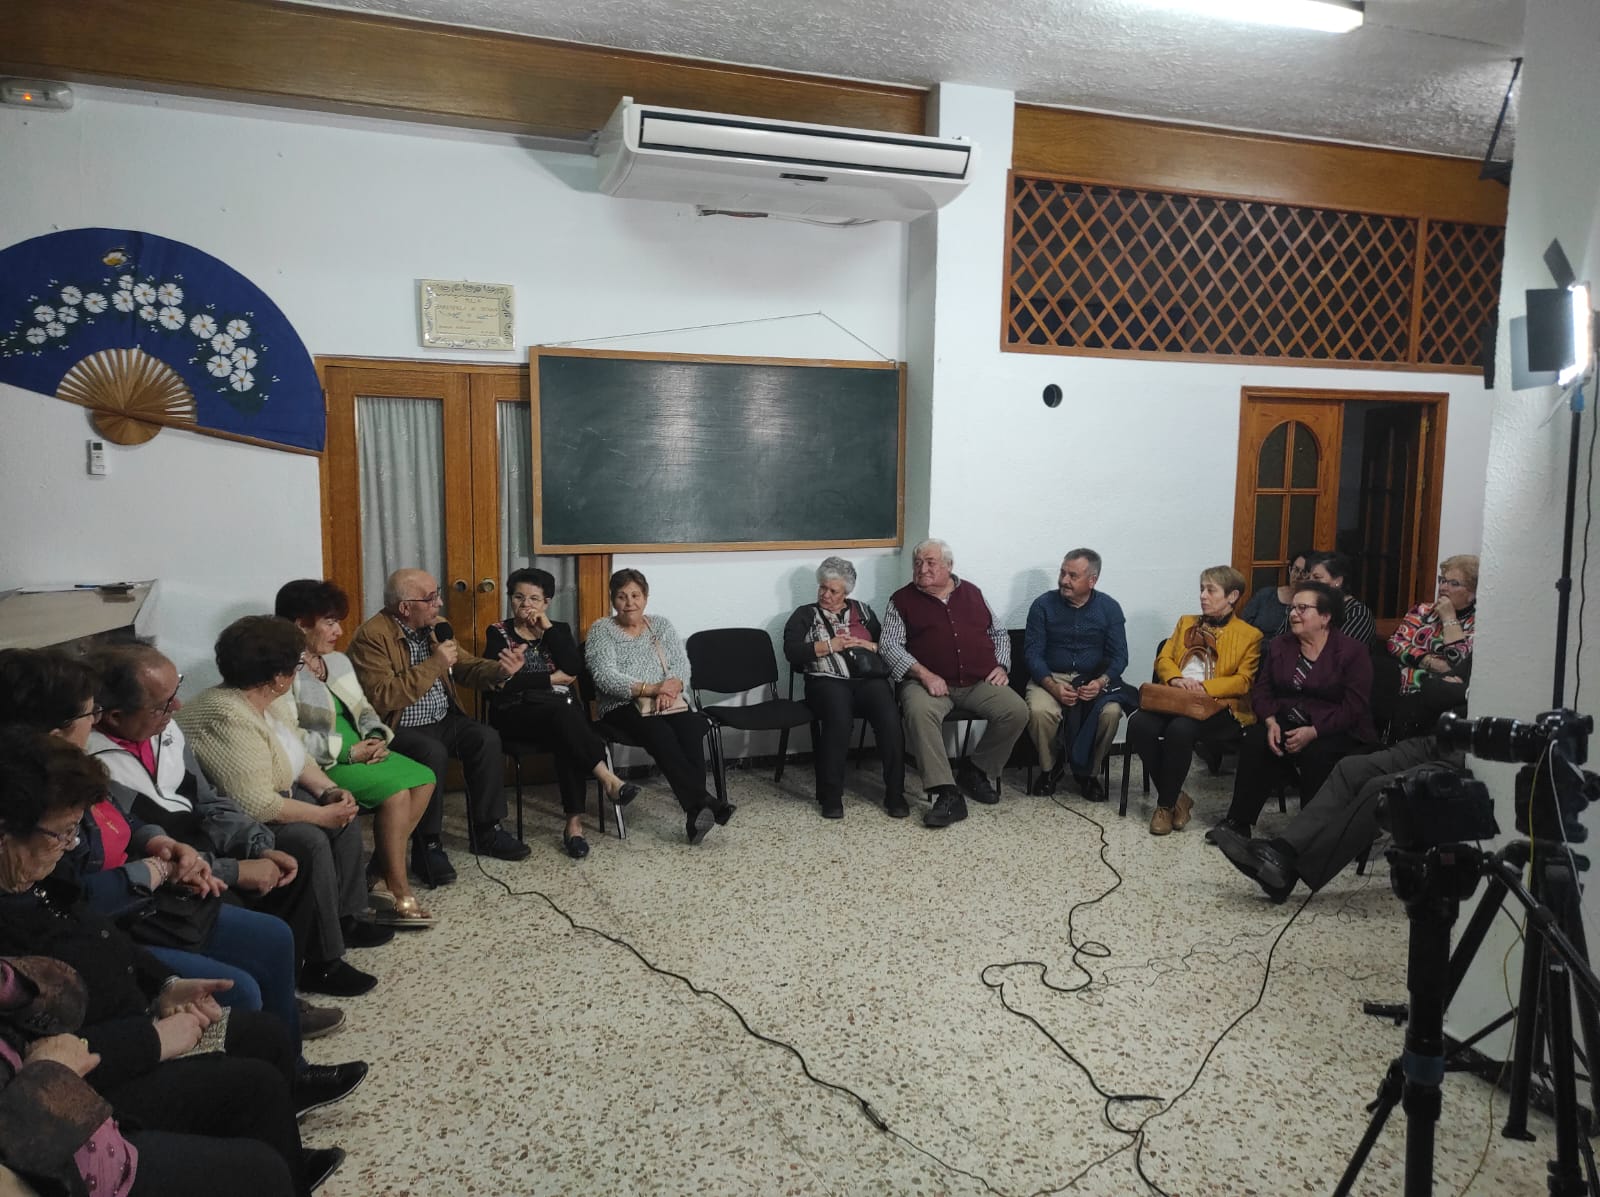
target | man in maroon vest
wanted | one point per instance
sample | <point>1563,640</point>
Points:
<point>947,651</point>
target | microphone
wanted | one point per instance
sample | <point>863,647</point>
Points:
<point>442,631</point>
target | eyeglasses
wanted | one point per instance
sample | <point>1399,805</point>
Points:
<point>1452,583</point>
<point>1302,608</point>
<point>432,597</point>
<point>300,664</point>
<point>519,600</point>
<point>92,713</point>
<point>165,708</point>
<point>61,839</point>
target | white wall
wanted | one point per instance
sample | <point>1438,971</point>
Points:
<point>1555,193</point>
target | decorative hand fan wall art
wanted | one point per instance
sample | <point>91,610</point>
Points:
<point>149,333</point>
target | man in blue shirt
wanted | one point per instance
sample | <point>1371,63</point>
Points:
<point>1076,648</point>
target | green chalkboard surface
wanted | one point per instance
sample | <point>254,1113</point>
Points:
<point>658,452</point>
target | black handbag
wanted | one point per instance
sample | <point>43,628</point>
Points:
<point>861,662</point>
<point>173,918</point>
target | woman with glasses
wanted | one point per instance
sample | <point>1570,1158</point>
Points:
<point>539,704</point>
<point>1433,645</point>
<point>1268,607</point>
<point>1312,698</point>
<point>259,761</point>
<point>347,740</point>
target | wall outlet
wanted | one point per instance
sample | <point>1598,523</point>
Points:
<point>97,459</point>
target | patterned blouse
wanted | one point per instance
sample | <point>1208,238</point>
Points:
<point>1421,634</point>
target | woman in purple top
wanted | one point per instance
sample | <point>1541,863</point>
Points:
<point>1312,700</point>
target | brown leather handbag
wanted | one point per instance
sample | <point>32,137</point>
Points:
<point>1199,643</point>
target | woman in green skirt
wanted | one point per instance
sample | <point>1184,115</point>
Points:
<point>344,735</point>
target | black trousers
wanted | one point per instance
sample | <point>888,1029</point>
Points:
<point>1165,743</point>
<point>836,701</point>
<point>564,730</point>
<point>1260,770</point>
<point>676,743</point>
<point>174,1165</point>
<point>477,746</point>
<point>240,1094</point>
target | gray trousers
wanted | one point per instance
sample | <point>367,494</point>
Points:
<point>1341,820</point>
<point>338,883</point>
<point>922,715</point>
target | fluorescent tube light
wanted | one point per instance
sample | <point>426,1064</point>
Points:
<point>1326,16</point>
<point>1582,334</point>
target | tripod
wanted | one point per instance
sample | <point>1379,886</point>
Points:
<point>1432,883</point>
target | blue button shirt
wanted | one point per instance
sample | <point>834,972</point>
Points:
<point>1062,638</point>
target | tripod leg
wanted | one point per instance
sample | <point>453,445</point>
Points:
<point>1389,1090</point>
<point>1528,1036</point>
<point>1569,916</point>
<point>1566,1180</point>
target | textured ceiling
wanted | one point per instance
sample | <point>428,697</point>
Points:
<point>1421,74</point>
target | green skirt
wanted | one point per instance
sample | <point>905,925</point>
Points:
<point>374,781</point>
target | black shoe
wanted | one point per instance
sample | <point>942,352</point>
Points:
<point>699,823</point>
<point>318,1085</point>
<point>1242,830</point>
<point>948,807</point>
<point>833,808</point>
<point>896,808</point>
<point>976,786</point>
<point>626,794</point>
<point>1044,785</point>
<point>722,812</point>
<point>1093,791</point>
<point>335,978</point>
<point>1259,861</point>
<point>364,933</point>
<point>494,840</point>
<point>574,846</point>
<point>429,864</point>
<point>319,1165</point>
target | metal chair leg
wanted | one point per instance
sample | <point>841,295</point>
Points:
<point>718,765</point>
<point>783,754</point>
<point>516,781</point>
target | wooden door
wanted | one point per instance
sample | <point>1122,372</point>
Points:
<point>1288,483</point>
<point>1398,490</point>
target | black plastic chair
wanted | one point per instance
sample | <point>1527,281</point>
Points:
<point>737,661</point>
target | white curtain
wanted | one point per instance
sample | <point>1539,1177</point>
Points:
<point>401,447</point>
<point>516,513</point>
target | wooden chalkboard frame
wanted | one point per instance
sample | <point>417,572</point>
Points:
<point>536,353</point>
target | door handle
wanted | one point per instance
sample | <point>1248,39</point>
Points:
<point>460,585</point>
<point>486,586</point>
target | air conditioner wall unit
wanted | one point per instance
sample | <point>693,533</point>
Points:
<point>787,168</point>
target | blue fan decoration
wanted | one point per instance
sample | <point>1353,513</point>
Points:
<point>148,332</point>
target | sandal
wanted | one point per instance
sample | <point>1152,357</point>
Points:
<point>407,912</point>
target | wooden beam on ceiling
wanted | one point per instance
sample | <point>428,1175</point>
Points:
<point>1088,147</point>
<point>339,61</point>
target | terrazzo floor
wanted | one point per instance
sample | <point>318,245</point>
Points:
<point>516,1050</point>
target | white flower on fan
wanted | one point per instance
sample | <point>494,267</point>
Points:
<point>125,282</point>
<point>148,313</point>
<point>94,303</point>
<point>71,295</point>
<point>44,313</point>
<point>67,315</point>
<point>56,329</point>
<point>241,379</point>
<point>238,329</point>
<point>36,335</point>
<point>144,293</point>
<point>222,343</point>
<point>171,317</point>
<point>245,357</point>
<point>123,301</point>
<point>170,294</point>
<point>219,366</point>
<point>203,326</point>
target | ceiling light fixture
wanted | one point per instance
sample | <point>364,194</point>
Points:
<point>1326,16</point>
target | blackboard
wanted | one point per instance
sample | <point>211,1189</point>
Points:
<point>657,452</point>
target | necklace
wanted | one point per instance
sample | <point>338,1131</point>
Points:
<point>319,667</point>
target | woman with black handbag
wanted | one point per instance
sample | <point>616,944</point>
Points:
<point>834,643</point>
<point>539,704</point>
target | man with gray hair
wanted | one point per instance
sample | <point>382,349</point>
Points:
<point>947,651</point>
<point>1076,647</point>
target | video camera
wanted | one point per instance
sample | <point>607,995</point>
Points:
<point>1430,805</point>
<point>1551,787</point>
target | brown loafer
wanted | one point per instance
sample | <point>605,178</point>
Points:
<point>1161,821</point>
<point>1180,812</point>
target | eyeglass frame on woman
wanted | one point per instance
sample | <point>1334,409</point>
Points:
<point>1453,583</point>
<point>93,712</point>
<point>65,840</point>
<point>1302,608</point>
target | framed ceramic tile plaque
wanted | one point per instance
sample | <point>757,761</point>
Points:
<point>457,315</point>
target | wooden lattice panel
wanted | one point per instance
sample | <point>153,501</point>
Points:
<point>1121,271</point>
<point>1460,287</point>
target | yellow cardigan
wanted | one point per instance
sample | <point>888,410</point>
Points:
<point>1238,658</point>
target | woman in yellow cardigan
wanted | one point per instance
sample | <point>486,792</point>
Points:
<point>1212,655</point>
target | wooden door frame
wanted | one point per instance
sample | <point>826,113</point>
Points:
<point>1430,481</point>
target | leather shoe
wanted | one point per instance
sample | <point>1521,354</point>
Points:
<point>363,933</point>
<point>318,1085</point>
<point>335,978</point>
<point>948,807</point>
<point>317,1021</point>
<point>976,786</point>
<point>1093,791</point>
<point>722,812</point>
<point>1180,812</point>
<point>1242,830</point>
<point>319,1165</point>
<point>429,864</point>
<point>575,846</point>
<point>896,807</point>
<point>699,823</point>
<point>1259,861</point>
<point>1044,785</point>
<point>626,794</point>
<point>494,840</point>
<point>1161,821</point>
<point>833,808</point>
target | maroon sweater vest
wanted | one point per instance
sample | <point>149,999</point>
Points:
<point>951,639</point>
